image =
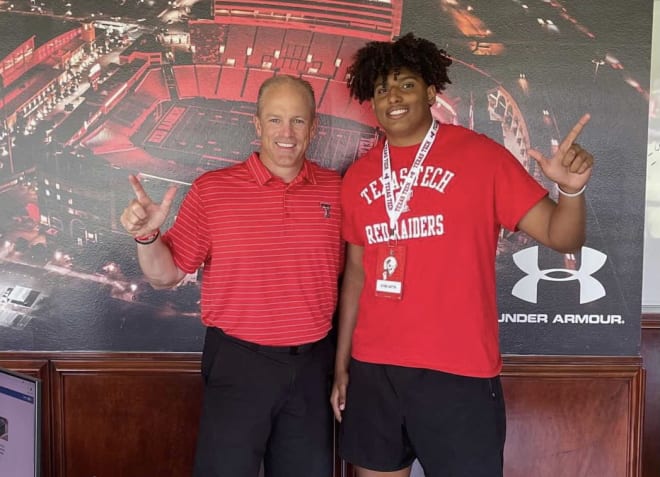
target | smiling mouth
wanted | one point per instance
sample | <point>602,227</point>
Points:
<point>396,112</point>
<point>286,145</point>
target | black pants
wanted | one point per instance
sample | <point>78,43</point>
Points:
<point>264,404</point>
<point>455,425</point>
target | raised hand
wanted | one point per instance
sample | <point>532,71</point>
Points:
<point>144,216</point>
<point>571,166</point>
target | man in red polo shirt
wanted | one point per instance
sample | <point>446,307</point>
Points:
<point>267,232</point>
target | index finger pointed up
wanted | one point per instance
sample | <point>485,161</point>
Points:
<point>138,189</point>
<point>574,133</point>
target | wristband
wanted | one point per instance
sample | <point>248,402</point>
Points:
<point>574,194</point>
<point>147,239</point>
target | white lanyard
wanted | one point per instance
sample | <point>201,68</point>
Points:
<point>395,206</point>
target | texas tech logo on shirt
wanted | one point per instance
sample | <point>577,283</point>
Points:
<point>430,177</point>
<point>410,226</point>
<point>326,209</point>
<point>528,261</point>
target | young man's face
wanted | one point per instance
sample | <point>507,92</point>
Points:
<point>286,125</point>
<point>401,103</point>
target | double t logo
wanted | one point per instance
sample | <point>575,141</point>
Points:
<point>528,261</point>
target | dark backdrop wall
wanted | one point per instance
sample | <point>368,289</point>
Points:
<point>96,91</point>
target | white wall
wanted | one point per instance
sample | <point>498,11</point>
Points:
<point>651,286</point>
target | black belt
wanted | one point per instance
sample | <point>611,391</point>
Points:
<point>294,350</point>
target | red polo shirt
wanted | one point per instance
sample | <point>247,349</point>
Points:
<point>271,251</point>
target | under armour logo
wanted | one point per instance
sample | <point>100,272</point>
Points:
<point>528,261</point>
<point>326,210</point>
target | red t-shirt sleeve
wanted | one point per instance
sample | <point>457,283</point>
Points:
<point>516,191</point>
<point>349,230</point>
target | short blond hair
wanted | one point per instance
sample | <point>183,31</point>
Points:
<point>287,79</point>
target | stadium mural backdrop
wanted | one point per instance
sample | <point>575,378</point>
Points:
<point>94,91</point>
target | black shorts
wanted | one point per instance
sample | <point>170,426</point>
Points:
<point>455,425</point>
<point>265,405</point>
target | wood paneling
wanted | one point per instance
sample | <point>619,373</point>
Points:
<point>135,415</point>
<point>125,416</point>
<point>579,417</point>
<point>651,357</point>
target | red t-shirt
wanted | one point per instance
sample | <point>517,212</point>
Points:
<point>446,320</point>
<point>270,250</point>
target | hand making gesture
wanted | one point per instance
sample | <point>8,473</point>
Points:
<point>571,166</point>
<point>143,216</point>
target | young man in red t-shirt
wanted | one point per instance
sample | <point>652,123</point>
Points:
<point>267,233</point>
<point>418,331</point>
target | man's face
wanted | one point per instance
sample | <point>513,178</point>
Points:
<point>286,125</point>
<point>401,103</point>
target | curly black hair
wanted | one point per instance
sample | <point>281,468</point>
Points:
<point>377,59</point>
